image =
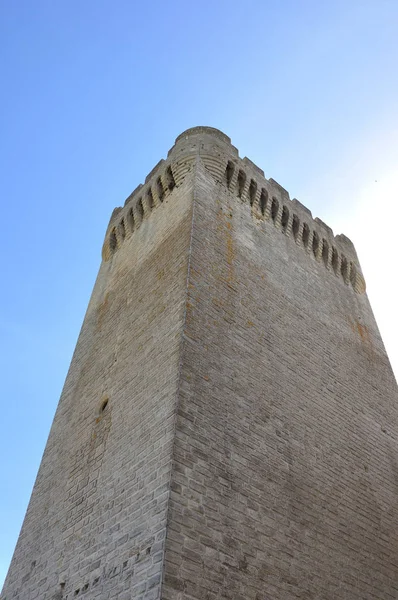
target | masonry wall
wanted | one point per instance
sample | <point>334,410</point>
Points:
<point>228,426</point>
<point>285,469</point>
<point>96,522</point>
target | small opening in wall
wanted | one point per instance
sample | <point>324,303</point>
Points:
<point>344,268</point>
<point>122,229</point>
<point>130,219</point>
<point>241,183</point>
<point>170,179</point>
<point>252,191</point>
<point>140,209</point>
<point>160,189</point>
<point>335,260</point>
<point>104,405</point>
<point>274,209</point>
<point>325,252</point>
<point>315,244</point>
<point>285,218</point>
<point>263,200</point>
<point>113,240</point>
<point>295,226</point>
<point>229,171</point>
<point>149,198</point>
<point>306,235</point>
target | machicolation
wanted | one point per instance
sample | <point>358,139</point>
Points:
<point>268,202</point>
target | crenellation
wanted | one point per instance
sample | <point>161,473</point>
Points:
<point>302,209</point>
<point>155,170</point>
<point>347,244</point>
<point>251,165</point>
<point>268,199</point>
<point>224,164</point>
<point>328,230</point>
<point>284,194</point>
<point>133,193</point>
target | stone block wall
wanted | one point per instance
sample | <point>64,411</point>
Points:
<point>284,480</point>
<point>95,526</point>
<point>228,427</point>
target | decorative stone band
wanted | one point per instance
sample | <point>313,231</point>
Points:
<point>267,200</point>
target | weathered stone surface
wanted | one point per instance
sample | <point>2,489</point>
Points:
<point>228,426</point>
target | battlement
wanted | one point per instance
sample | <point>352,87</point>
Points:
<point>267,200</point>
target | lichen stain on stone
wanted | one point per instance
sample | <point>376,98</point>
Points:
<point>362,331</point>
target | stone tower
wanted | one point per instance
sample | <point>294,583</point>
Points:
<point>228,427</point>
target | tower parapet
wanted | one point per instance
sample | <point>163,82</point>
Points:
<point>268,201</point>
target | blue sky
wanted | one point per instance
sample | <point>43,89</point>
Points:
<point>94,94</point>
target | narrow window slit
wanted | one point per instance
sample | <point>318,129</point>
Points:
<point>130,219</point>
<point>274,209</point>
<point>252,191</point>
<point>113,241</point>
<point>140,209</point>
<point>241,183</point>
<point>160,189</point>
<point>122,229</point>
<point>344,269</point>
<point>295,226</point>
<point>325,252</point>
<point>263,200</point>
<point>306,235</point>
<point>315,244</point>
<point>335,260</point>
<point>229,172</point>
<point>149,198</point>
<point>285,218</point>
<point>170,179</point>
